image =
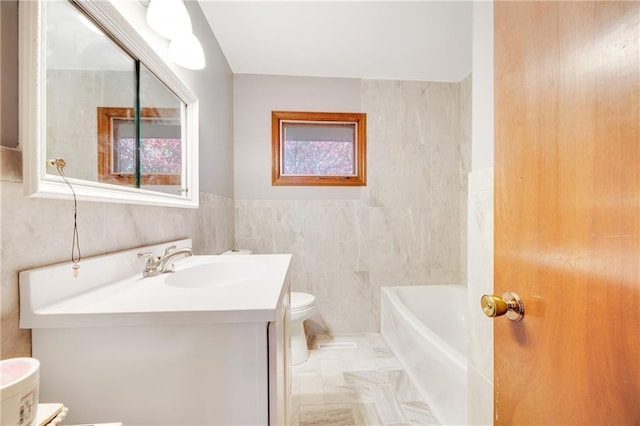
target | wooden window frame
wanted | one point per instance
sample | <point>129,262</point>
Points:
<point>106,115</point>
<point>360,155</point>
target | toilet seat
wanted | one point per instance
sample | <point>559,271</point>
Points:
<point>301,301</point>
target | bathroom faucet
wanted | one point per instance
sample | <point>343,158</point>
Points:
<point>161,264</point>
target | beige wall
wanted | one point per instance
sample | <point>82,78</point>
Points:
<point>37,232</point>
<point>405,227</point>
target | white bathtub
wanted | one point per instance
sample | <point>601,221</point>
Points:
<point>425,326</point>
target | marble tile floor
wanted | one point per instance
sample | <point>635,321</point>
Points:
<point>361,386</point>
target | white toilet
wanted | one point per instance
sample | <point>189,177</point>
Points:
<point>302,306</point>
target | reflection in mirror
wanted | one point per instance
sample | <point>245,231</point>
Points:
<point>161,149</point>
<point>95,94</point>
<point>84,69</point>
<point>91,104</point>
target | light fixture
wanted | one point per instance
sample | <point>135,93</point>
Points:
<point>186,51</point>
<point>170,19</point>
<point>90,25</point>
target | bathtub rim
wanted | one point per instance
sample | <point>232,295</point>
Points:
<point>391,292</point>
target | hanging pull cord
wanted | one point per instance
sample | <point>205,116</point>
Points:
<point>75,246</point>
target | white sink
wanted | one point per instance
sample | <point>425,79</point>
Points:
<point>111,290</point>
<point>214,274</point>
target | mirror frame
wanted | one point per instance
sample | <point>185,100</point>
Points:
<point>32,104</point>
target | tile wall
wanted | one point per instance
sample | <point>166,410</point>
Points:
<point>407,228</point>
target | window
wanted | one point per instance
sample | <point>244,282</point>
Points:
<point>160,146</point>
<point>318,148</point>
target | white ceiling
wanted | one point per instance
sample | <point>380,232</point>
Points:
<point>416,40</point>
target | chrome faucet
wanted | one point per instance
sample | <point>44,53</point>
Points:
<point>157,265</point>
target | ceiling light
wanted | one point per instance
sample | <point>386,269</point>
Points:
<point>169,18</point>
<point>186,51</point>
<point>90,25</point>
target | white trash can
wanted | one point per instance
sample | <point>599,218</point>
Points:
<point>19,386</point>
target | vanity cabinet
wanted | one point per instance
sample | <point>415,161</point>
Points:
<point>279,356</point>
<point>185,374</point>
<point>141,352</point>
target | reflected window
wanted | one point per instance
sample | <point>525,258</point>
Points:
<point>157,155</point>
<point>160,154</point>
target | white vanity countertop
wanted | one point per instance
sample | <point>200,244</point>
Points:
<point>134,300</point>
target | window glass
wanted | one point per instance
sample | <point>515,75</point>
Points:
<point>319,149</point>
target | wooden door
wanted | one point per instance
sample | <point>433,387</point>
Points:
<point>567,212</point>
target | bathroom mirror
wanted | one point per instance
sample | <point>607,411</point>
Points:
<point>94,93</point>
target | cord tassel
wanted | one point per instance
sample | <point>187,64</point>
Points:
<point>75,244</point>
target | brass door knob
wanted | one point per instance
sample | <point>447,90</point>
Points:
<point>509,304</point>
